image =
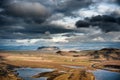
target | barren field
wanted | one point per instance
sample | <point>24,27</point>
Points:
<point>60,62</point>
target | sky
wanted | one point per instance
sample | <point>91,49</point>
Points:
<point>29,22</point>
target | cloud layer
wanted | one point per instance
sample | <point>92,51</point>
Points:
<point>93,20</point>
<point>104,22</point>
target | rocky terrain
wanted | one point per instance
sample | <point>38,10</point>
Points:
<point>106,53</point>
<point>7,72</point>
<point>73,74</point>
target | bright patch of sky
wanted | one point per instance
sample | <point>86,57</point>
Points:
<point>97,9</point>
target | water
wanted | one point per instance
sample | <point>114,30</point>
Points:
<point>106,75</point>
<point>27,73</point>
<point>101,74</point>
<point>75,67</point>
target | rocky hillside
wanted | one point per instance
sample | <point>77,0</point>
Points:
<point>103,54</point>
<point>106,53</point>
<point>7,72</point>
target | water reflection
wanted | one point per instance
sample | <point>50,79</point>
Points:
<point>75,67</point>
<point>27,73</point>
<point>106,75</point>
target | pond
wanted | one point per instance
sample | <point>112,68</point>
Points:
<point>75,67</point>
<point>106,75</point>
<point>27,73</point>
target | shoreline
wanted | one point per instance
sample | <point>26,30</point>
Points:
<point>7,72</point>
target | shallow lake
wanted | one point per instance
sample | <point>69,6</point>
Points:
<point>106,75</point>
<point>27,73</point>
<point>75,67</point>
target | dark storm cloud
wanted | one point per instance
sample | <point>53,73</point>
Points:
<point>44,28</point>
<point>31,18</point>
<point>118,1</point>
<point>104,22</point>
<point>25,19</point>
<point>70,5</point>
<point>82,23</point>
<point>29,31</point>
<point>27,10</point>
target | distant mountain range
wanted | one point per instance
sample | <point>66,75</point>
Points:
<point>48,49</point>
<point>66,46</point>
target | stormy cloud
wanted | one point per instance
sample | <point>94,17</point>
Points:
<point>29,19</point>
<point>28,11</point>
<point>67,6</point>
<point>104,22</point>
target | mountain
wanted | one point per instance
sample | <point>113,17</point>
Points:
<point>48,49</point>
